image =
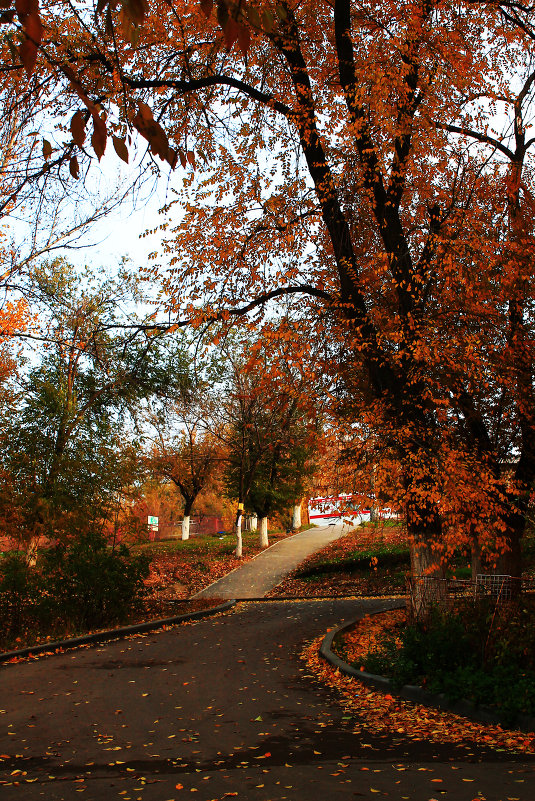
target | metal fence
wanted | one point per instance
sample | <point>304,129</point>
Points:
<point>424,591</point>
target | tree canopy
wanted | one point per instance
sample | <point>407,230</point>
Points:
<point>369,162</point>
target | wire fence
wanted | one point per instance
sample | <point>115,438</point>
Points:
<point>426,591</point>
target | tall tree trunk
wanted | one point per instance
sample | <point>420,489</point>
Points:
<point>296,517</point>
<point>264,541</point>
<point>189,500</point>
<point>427,584</point>
<point>509,562</point>
<point>424,529</point>
<point>254,522</point>
<point>31,552</point>
<point>475,556</point>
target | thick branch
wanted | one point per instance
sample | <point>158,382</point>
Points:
<point>480,137</point>
<point>184,87</point>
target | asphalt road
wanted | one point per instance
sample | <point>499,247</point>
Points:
<point>218,709</point>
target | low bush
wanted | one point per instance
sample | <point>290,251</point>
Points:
<point>89,584</point>
<point>477,652</point>
<point>76,587</point>
<point>19,594</point>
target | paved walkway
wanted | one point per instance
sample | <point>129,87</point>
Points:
<point>256,578</point>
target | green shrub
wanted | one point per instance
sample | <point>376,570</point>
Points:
<point>19,595</point>
<point>88,584</point>
<point>77,587</point>
<point>477,652</point>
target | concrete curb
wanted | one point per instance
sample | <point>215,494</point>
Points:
<point>416,694</point>
<point>113,634</point>
<point>274,599</point>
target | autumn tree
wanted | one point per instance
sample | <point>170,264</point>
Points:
<point>270,427</point>
<point>387,215</point>
<point>185,452</point>
<point>279,482</point>
<point>64,445</point>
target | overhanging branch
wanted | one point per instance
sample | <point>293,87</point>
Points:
<point>225,314</point>
<point>184,87</point>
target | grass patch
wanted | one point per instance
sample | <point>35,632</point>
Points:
<point>217,545</point>
<point>383,557</point>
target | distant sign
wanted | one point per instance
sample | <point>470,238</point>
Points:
<point>153,523</point>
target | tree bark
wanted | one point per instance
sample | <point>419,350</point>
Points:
<point>428,585</point>
<point>296,517</point>
<point>475,557</point>
<point>509,562</point>
<point>264,541</point>
<point>31,553</point>
<point>185,527</point>
<point>237,531</point>
<point>424,529</point>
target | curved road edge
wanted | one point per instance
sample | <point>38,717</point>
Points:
<point>113,634</point>
<point>414,693</point>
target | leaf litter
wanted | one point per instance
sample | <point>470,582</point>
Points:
<point>383,713</point>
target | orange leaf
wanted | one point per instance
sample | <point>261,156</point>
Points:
<point>28,13</point>
<point>244,38</point>
<point>136,10</point>
<point>47,149</point>
<point>33,26</point>
<point>28,56</point>
<point>231,31</point>
<point>100,135</point>
<point>145,111</point>
<point>172,158</point>
<point>120,148</point>
<point>206,7</point>
<point>23,7</point>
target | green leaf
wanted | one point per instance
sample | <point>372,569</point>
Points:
<point>254,17</point>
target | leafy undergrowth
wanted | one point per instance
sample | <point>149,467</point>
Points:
<point>384,714</point>
<point>371,560</point>
<point>368,560</point>
<point>177,571</point>
<point>478,652</point>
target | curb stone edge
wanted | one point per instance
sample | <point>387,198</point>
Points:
<point>113,634</point>
<point>414,693</point>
